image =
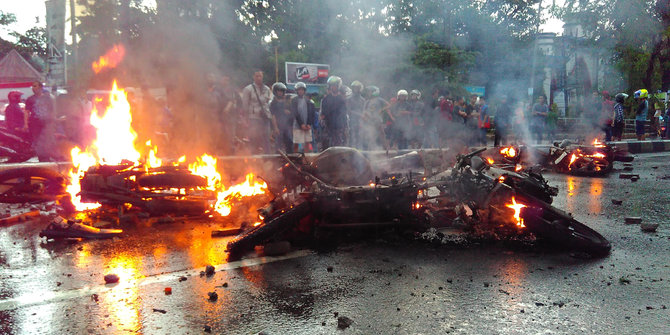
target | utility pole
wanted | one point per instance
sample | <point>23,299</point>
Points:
<point>73,32</point>
<point>537,31</point>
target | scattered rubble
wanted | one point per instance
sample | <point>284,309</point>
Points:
<point>162,311</point>
<point>213,296</point>
<point>633,220</point>
<point>209,270</point>
<point>617,202</point>
<point>168,290</point>
<point>649,227</point>
<point>344,322</point>
<point>111,278</point>
<point>628,175</point>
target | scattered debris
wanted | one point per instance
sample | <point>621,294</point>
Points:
<point>624,281</point>
<point>168,290</point>
<point>162,311</point>
<point>649,227</point>
<point>329,269</point>
<point>20,217</point>
<point>212,296</point>
<point>111,278</point>
<point>617,202</point>
<point>207,329</point>
<point>182,278</point>
<point>635,178</point>
<point>344,322</point>
<point>94,297</point>
<point>633,220</point>
<point>628,168</point>
<point>226,232</point>
<point>224,285</point>
<point>62,228</point>
<point>628,175</point>
<point>209,270</point>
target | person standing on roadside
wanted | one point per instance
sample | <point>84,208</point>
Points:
<point>617,116</point>
<point>334,113</point>
<point>257,117</point>
<point>304,113</point>
<point>539,113</point>
<point>41,121</point>
<point>641,112</point>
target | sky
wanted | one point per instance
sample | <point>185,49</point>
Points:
<point>26,12</point>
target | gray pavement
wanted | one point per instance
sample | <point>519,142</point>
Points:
<point>386,285</point>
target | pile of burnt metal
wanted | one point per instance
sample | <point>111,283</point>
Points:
<point>341,190</point>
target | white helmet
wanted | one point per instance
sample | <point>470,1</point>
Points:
<point>402,93</point>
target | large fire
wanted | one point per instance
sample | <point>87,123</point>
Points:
<point>115,143</point>
<point>579,154</point>
<point>517,212</point>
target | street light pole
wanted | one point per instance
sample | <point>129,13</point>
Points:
<point>537,31</point>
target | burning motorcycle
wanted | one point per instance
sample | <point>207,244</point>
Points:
<point>472,191</point>
<point>166,189</point>
<point>565,157</point>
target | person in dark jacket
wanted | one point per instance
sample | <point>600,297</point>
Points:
<point>304,114</point>
<point>15,118</point>
<point>334,113</point>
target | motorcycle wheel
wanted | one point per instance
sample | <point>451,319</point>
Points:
<point>564,231</point>
<point>32,184</point>
<point>591,168</point>
<point>265,231</point>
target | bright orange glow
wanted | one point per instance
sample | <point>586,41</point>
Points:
<point>501,179</point>
<point>508,152</point>
<point>518,167</point>
<point>490,160</point>
<point>517,212</point>
<point>598,144</point>
<point>122,303</point>
<point>257,224</point>
<point>110,59</point>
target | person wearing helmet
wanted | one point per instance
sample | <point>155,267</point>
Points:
<point>372,133</point>
<point>400,128</point>
<point>641,112</point>
<point>617,116</point>
<point>355,104</point>
<point>256,114</point>
<point>15,118</point>
<point>304,113</point>
<point>417,109</point>
<point>334,114</point>
<point>283,118</point>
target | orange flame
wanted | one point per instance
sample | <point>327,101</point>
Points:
<point>110,59</point>
<point>490,160</point>
<point>517,212</point>
<point>598,144</point>
<point>508,152</point>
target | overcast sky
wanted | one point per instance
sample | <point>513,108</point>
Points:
<point>26,12</point>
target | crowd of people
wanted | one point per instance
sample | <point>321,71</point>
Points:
<point>260,119</point>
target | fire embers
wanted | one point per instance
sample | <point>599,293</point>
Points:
<point>586,162</point>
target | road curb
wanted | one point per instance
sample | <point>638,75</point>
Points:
<point>637,147</point>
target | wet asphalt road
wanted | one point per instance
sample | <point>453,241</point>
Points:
<point>385,286</point>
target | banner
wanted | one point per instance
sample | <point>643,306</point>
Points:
<point>308,73</point>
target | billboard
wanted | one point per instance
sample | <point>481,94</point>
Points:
<point>308,73</point>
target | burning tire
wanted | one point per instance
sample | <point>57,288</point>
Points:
<point>561,229</point>
<point>268,230</point>
<point>32,184</point>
